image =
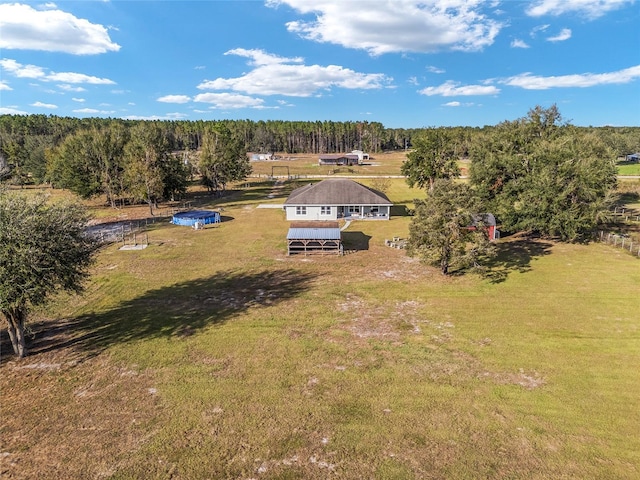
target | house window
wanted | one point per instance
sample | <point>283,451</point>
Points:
<point>325,210</point>
<point>301,210</point>
<point>354,209</point>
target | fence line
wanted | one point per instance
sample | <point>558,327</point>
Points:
<point>121,231</point>
<point>625,215</point>
<point>622,241</point>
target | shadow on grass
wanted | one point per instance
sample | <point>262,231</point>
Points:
<point>627,197</point>
<point>399,210</point>
<point>355,241</point>
<point>515,256</point>
<point>174,311</point>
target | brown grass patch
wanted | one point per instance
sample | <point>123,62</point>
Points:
<point>61,420</point>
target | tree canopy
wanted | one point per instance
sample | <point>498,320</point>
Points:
<point>434,156</point>
<point>223,159</point>
<point>43,249</point>
<point>545,177</point>
<point>447,229</point>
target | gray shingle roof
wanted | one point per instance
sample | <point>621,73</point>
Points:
<point>336,191</point>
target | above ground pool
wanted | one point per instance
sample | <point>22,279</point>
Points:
<point>190,218</point>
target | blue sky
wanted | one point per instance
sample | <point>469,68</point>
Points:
<point>403,63</point>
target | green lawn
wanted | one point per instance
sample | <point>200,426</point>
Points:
<point>211,354</point>
<point>629,169</point>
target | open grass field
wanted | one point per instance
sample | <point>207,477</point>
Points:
<point>211,354</point>
<point>383,163</point>
<point>627,168</point>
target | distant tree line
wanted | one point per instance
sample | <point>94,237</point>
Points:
<point>147,161</point>
<point>24,139</point>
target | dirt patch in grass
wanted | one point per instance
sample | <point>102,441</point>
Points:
<point>388,322</point>
<point>70,419</point>
<point>528,380</point>
<point>394,323</point>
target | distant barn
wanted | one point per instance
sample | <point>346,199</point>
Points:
<point>260,157</point>
<point>339,159</point>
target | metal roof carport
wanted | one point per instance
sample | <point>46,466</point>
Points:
<point>307,239</point>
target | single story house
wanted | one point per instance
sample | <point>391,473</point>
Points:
<point>314,238</point>
<point>336,198</point>
<point>339,159</point>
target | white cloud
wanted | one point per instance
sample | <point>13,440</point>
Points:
<point>70,77</point>
<point>32,71</point>
<point>589,8</point>
<point>176,116</point>
<point>71,88</point>
<point>452,89</point>
<point>395,26</point>
<point>517,43</point>
<point>260,57</point>
<point>273,76</point>
<point>229,100</point>
<point>458,104</point>
<point>540,28</point>
<point>168,116</point>
<point>413,81</point>
<point>21,71</point>
<point>536,82</point>
<point>565,34</point>
<point>433,69</point>
<point>44,105</point>
<point>93,110</point>
<point>174,99</point>
<point>26,28</point>
<point>79,100</point>
<point>4,86</point>
<point>11,111</point>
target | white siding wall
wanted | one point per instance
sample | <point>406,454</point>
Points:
<point>313,213</point>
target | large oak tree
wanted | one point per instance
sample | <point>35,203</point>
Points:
<point>539,175</point>
<point>447,228</point>
<point>433,157</point>
<point>43,250</point>
<point>223,159</point>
